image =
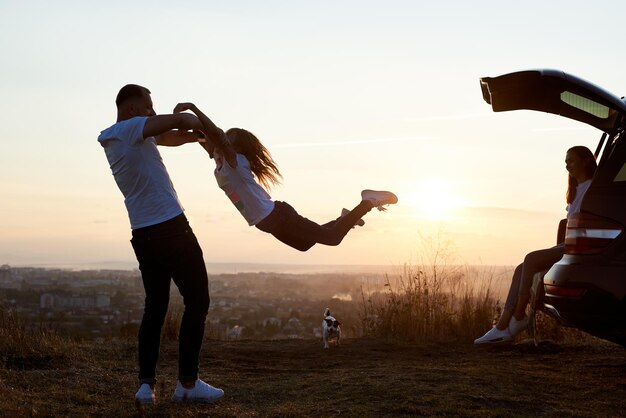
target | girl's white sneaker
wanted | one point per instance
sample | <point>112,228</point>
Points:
<point>379,198</point>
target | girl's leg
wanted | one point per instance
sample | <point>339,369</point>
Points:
<point>533,263</point>
<point>331,233</point>
<point>301,233</point>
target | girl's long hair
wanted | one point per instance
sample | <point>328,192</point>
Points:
<point>589,160</point>
<point>261,162</point>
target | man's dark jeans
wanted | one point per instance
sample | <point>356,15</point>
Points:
<point>170,251</point>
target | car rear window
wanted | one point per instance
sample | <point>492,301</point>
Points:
<point>586,105</point>
<point>613,170</point>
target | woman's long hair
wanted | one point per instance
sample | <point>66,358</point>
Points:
<point>261,162</point>
<point>588,159</point>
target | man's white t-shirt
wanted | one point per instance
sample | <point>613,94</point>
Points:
<point>244,192</point>
<point>581,189</point>
<point>140,174</point>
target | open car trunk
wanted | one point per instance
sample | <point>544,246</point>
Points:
<point>554,91</point>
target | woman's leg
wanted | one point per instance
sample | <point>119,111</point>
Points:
<point>500,333</point>
<point>533,263</point>
<point>511,299</point>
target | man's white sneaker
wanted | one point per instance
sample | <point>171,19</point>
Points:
<point>493,336</point>
<point>515,326</point>
<point>201,392</point>
<point>379,198</point>
<point>145,395</point>
<point>345,211</point>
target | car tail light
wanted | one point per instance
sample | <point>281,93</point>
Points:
<point>590,234</point>
<point>563,291</point>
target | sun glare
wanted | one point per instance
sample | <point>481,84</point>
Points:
<point>435,198</point>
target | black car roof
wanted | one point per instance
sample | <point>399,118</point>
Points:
<point>553,91</point>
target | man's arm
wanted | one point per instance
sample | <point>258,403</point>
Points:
<point>160,124</point>
<point>175,138</point>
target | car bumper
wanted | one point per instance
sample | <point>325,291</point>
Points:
<point>599,310</point>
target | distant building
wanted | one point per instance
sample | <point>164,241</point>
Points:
<point>46,301</point>
<point>272,321</point>
<point>7,281</point>
<point>5,273</point>
<point>39,281</point>
<point>293,328</point>
<point>52,301</point>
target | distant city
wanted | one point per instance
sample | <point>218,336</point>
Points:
<point>233,268</point>
<point>245,303</point>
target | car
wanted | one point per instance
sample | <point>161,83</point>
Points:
<point>586,289</point>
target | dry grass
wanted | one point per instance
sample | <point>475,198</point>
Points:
<point>437,300</point>
<point>360,378</point>
<point>37,346</point>
<point>433,300</point>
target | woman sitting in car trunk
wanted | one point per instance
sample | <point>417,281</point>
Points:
<point>581,166</point>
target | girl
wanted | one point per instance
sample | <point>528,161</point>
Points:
<point>239,176</point>
<point>581,166</point>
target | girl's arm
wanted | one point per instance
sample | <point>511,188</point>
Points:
<point>216,138</point>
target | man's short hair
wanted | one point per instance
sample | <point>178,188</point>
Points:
<point>130,91</point>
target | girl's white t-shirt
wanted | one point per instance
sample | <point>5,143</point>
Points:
<point>581,189</point>
<point>244,192</point>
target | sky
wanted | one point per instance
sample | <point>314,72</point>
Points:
<point>347,96</point>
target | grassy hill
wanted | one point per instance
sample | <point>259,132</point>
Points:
<point>297,378</point>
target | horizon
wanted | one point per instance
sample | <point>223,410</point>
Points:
<point>346,97</point>
<point>245,267</point>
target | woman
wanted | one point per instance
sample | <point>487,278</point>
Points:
<point>253,165</point>
<point>581,166</point>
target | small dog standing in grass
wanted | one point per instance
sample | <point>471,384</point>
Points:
<point>331,330</point>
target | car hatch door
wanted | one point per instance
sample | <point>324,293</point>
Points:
<point>553,91</point>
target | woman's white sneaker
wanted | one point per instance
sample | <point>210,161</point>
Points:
<point>145,395</point>
<point>201,392</point>
<point>515,326</point>
<point>494,335</point>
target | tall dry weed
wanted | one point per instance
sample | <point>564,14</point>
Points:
<point>24,347</point>
<point>434,300</point>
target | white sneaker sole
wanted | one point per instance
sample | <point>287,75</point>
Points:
<point>196,400</point>
<point>494,341</point>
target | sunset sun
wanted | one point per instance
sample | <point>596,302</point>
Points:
<point>435,198</point>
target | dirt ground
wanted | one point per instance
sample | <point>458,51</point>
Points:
<point>360,378</point>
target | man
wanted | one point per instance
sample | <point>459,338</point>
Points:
<point>164,244</point>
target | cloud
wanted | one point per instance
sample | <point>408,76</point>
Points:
<point>503,212</point>
<point>564,129</point>
<point>353,142</point>
<point>451,117</point>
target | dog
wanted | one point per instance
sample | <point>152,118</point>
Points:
<point>331,331</point>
